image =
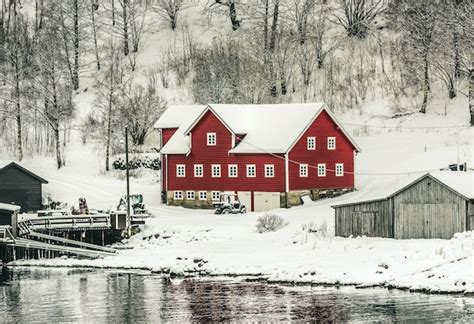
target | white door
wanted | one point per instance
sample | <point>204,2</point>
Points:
<point>266,200</point>
<point>245,198</point>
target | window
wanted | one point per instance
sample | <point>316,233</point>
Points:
<point>331,143</point>
<point>211,139</point>
<point>311,143</point>
<point>321,170</point>
<point>178,195</point>
<point>269,171</point>
<point>202,195</point>
<point>251,171</point>
<point>303,170</point>
<point>339,169</point>
<point>198,171</point>
<point>216,170</point>
<point>190,195</point>
<point>216,196</point>
<point>233,171</point>
<point>180,170</point>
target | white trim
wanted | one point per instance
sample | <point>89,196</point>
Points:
<point>216,167</point>
<point>313,139</point>
<point>196,166</point>
<point>323,168</point>
<point>333,140</point>
<point>218,193</point>
<point>208,108</point>
<point>178,166</point>
<point>287,174</point>
<point>248,166</point>
<point>236,171</point>
<point>193,195</point>
<point>210,136</point>
<point>269,167</point>
<point>201,198</point>
<point>336,171</point>
<point>167,173</point>
<point>303,167</point>
<point>175,195</point>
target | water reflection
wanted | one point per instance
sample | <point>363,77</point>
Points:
<point>28,295</point>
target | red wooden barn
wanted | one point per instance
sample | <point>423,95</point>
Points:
<point>270,155</point>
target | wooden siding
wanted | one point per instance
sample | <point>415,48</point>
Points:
<point>428,209</point>
<point>470,216</point>
<point>373,219</point>
<point>20,188</point>
<point>322,128</point>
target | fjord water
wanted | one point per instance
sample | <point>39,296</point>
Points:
<point>64,295</point>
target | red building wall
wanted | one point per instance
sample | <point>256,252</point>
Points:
<point>207,155</point>
<point>322,128</point>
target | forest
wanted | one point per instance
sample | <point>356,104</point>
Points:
<point>346,53</point>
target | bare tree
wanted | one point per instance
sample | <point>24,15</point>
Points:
<point>358,15</point>
<point>169,10</point>
<point>231,5</point>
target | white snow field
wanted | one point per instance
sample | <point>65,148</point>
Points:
<point>183,240</point>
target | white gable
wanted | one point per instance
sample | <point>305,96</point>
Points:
<point>461,182</point>
<point>268,128</point>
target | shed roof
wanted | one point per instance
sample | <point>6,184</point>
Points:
<point>8,207</point>
<point>272,128</point>
<point>461,183</point>
<point>23,169</point>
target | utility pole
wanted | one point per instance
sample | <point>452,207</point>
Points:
<point>129,222</point>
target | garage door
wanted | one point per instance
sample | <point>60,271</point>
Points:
<point>264,201</point>
<point>245,198</point>
<point>427,221</point>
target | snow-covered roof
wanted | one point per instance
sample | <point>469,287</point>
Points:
<point>460,182</point>
<point>268,128</point>
<point>5,165</point>
<point>12,208</point>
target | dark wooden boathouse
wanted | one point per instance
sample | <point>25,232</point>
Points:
<point>21,187</point>
<point>436,205</point>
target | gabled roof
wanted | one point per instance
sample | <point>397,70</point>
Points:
<point>272,128</point>
<point>16,165</point>
<point>8,207</point>
<point>461,183</point>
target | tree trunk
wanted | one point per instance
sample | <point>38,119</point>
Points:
<point>59,160</point>
<point>125,28</point>
<point>66,46</point>
<point>471,89</point>
<point>426,83</point>
<point>457,61</point>
<point>233,15</point>
<point>76,45</point>
<point>94,7</point>
<point>271,49</point>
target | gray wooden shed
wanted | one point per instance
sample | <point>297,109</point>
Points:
<point>436,205</point>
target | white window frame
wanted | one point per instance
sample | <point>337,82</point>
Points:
<point>216,167</point>
<point>211,139</point>
<point>303,170</point>
<point>271,168</point>
<point>178,195</point>
<point>202,195</point>
<point>198,167</point>
<point>311,143</point>
<point>331,143</point>
<point>216,196</point>
<point>178,173</point>
<point>321,169</point>
<point>190,195</point>
<point>249,167</point>
<point>339,169</point>
<point>230,173</point>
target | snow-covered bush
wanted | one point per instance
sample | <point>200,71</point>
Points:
<point>270,223</point>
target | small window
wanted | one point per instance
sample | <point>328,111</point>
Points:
<point>211,139</point>
<point>180,170</point>
<point>321,170</point>
<point>190,195</point>
<point>216,196</point>
<point>216,170</point>
<point>303,170</point>
<point>251,171</point>
<point>233,171</point>
<point>198,171</point>
<point>331,143</point>
<point>269,171</point>
<point>339,169</point>
<point>311,143</point>
<point>178,195</point>
<point>202,195</point>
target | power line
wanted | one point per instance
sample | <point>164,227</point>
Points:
<point>332,170</point>
<point>403,127</point>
